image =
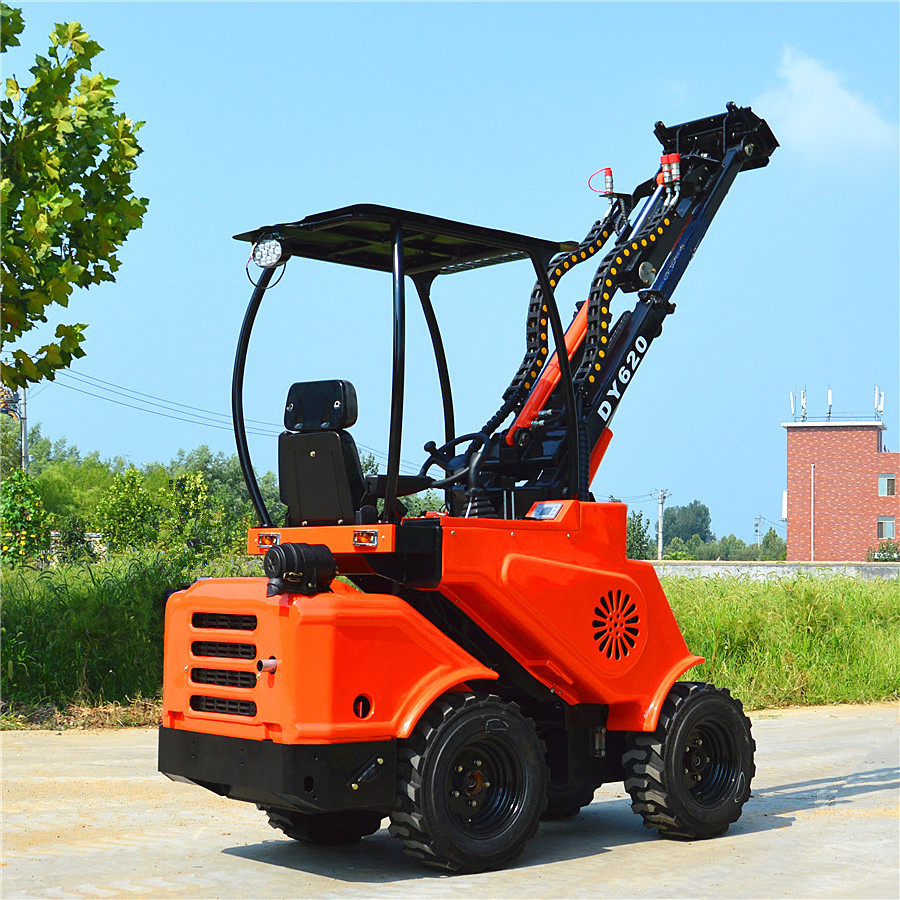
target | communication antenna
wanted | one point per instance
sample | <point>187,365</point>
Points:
<point>793,407</point>
<point>828,416</point>
<point>880,407</point>
<point>803,405</point>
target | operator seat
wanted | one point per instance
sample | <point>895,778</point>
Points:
<point>320,477</point>
<point>319,473</point>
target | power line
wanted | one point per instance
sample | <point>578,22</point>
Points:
<point>193,415</point>
<point>154,412</point>
<point>773,523</point>
<point>156,401</point>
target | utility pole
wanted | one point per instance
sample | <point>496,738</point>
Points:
<point>23,425</point>
<point>662,502</point>
<point>758,533</point>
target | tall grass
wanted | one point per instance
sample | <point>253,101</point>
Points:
<point>91,633</point>
<point>803,641</point>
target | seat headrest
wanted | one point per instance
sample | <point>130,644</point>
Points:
<point>320,406</point>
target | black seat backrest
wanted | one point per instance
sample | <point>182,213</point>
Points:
<point>320,406</point>
<point>319,473</point>
<point>320,477</point>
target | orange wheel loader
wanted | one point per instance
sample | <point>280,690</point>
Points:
<point>470,671</point>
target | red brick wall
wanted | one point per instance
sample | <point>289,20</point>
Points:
<point>847,505</point>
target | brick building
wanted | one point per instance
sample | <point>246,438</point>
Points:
<point>841,490</point>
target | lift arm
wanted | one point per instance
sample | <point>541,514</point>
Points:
<point>700,161</point>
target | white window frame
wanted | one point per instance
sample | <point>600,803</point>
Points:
<point>886,528</point>
<point>887,484</point>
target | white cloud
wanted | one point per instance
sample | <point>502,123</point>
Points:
<point>812,111</point>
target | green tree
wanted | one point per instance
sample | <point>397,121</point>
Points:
<point>639,543</point>
<point>127,514</point>
<point>10,445</point>
<point>887,550</point>
<point>72,545</point>
<point>772,546</point>
<point>42,451</point>
<point>24,527</point>
<point>686,521</point>
<point>196,519</point>
<point>677,549</point>
<point>228,492</point>
<point>66,203</point>
<point>73,488</point>
<point>732,547</point>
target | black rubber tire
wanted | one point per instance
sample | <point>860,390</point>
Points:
<point>470,749</point>
<point>564,802</point>
<point>329,829</point>
<point>691,777</point>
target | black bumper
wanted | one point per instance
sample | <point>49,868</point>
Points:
<point>304,777</point>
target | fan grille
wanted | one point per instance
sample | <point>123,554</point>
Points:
<point>617,625</point>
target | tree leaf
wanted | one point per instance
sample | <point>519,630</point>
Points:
<point>66,203</point>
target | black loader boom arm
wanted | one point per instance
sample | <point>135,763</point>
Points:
<point>655,231</point>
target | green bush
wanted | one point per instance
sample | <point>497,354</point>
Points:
<point>23,521</point>
<point>93,632</point>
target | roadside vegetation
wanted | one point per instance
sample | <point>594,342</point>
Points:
<point>82,614</point>
<point>82,644</point>
<point>800,641</point>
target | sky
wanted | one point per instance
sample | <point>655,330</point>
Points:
<point>494,114</point>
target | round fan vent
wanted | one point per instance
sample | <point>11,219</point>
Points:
<point>617,625</point>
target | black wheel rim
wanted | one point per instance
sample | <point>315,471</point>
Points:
<point>486,787</point>
<point>710,763</point>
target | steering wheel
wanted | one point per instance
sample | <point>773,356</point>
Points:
<point>440,456</point>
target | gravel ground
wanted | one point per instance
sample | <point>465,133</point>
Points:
<point>85,814</point>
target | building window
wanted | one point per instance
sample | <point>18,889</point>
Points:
<point>886,485</point>
<point>885,528</point>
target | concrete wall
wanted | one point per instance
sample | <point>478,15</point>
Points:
<point>759,571</point>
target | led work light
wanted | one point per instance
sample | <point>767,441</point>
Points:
<point>268,253</point>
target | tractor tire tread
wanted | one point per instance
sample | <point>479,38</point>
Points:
<point>410,826</point>
<point>327,829</point>
<point>645,768</point>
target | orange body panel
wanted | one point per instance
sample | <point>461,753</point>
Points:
<point>329,650</point>
<point>338,538</point>
<point>558,594</point>
<point>550,591</point>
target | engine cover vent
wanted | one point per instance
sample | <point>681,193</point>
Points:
<point>617,625</point>
<point>223,705</point>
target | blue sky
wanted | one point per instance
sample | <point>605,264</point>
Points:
<point>493,113</point>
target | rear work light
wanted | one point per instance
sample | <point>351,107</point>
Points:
<point>268,253</point>
<point>265,540</point>
<point>366,538</point>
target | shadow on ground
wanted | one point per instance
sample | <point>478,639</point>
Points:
<point>599,828</point>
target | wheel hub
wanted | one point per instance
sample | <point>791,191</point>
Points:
<point>708,764</point>
<point>469,786</point>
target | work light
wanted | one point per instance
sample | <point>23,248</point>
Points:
<point>268,253</point>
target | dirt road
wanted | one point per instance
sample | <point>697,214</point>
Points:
<point>85,814</point>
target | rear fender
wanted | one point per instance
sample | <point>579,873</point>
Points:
<point>348,666</point>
